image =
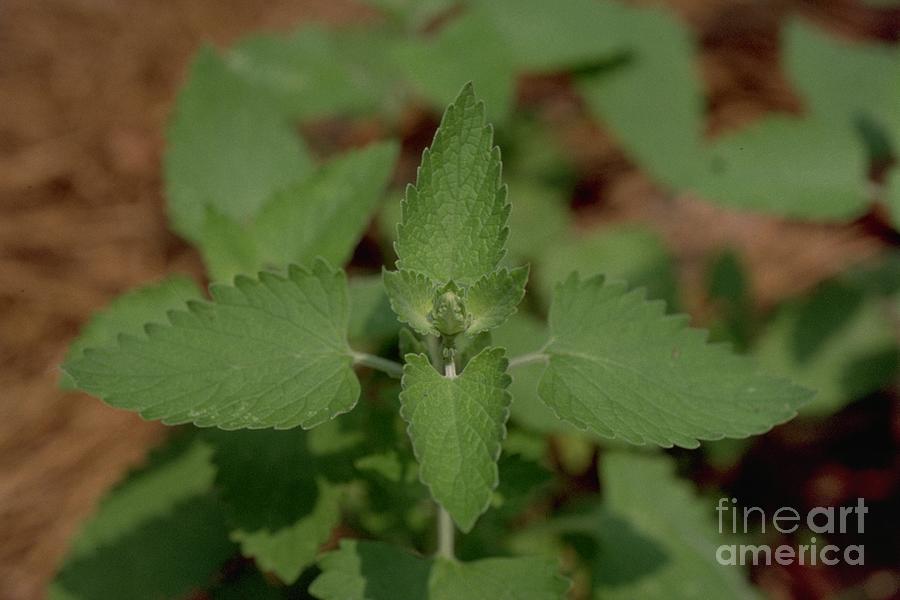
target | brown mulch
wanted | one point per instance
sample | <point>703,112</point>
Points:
<point>85,90</point>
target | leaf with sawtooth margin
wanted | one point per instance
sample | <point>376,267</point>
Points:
<point>412,296</point>
<point>453,224</point>
<point>129,312</point>
<point>267,352</point>
<point>620,367</point>
<point>457,426</point>
<point>492,299</point>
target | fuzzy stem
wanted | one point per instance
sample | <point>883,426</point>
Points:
<point>446,529</point>
<point>527,359</point>
<point>446,533</point>
<point>376,362</point>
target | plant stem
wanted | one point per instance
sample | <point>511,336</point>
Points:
<point>526,359</point>
<point>376,362</point>
<point>446,532</point>
<point>450,370</point>
<point>446,529</point>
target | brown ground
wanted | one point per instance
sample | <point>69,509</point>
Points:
<point>85,90</point>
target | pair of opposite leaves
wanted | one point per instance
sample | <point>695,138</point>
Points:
<point>273,351</point>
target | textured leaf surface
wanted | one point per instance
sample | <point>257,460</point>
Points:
<point>454,219</point>
<point>679,532</point>
<point>157,535</point>
<point>128,314</point>
<point>525,334</point>
<point>377,571</point>
<point>456,426</point>
<point>230,147</point>
<point>412,297</point>
<point>622,368</point>
<point>494,297</point>
<point>325,214</point>
<point>276,497</point>
<point>270,352</point>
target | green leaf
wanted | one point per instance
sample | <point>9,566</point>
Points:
<point>815,166</point>
<point>371,319</point>
<point>176,472</point>
<point>318,72</point>
<point>728,291</point>
<point>838,341</point>
<point>324,215</point>
<point>268,352</point>
<point>228,247</point>
<point>841,79</point>
<point>664,550</point>
<point>811,168</point>
<point>377,571</point>
<point>128,314</point>
<point>439,65</point>
<point>166,557</point>
<point>276,497</point>
<point>493,298</point>
<point>456,426</point>
<point>652,99</point>
<point>524,334</point>
<point>386,464</point>
<point>158,534</point>
<point>892,187</point>
<point>412,14</point>
<point>230,147</point>
<point>529,578</point>
<point>361,570</point>
<point>623,369</point>
<point>625,252</point>
<point>539,219</point>
<point>250,585</point>
<point>454,219</point>
<point>541,37</point>
<point>410,344</point>
<point>412,297</point>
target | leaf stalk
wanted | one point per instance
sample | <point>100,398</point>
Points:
<point>384,365</point>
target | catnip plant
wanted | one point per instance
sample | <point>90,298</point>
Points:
<point>271,352</point>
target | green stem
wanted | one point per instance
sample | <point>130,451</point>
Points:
<point>376,362</point>
<point>527,359</point>
<point>446,529</point>
<point>446,533</point>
